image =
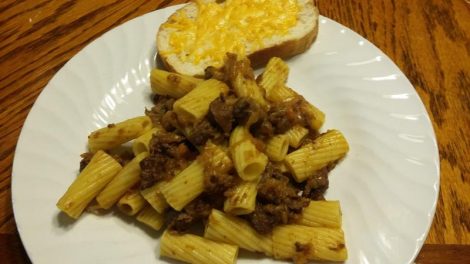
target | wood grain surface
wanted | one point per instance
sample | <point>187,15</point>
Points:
<point>428,39</point>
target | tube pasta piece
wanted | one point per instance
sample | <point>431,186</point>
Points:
<point>185,186</point>
<point>248,88</point>
<point>280,94</point>
<point>155,198</point>
<point>215,159</point>
<point>195,249</point>
<point>327,148</point>
<point>309,243</point>
<point>242,199</point>
<point>95,208</point>
<point>277,147</point>
<point>239,134</point>
<point>321,214</point>
<point>172,84</point>
<point>248,160</point>
<point>275,74</point>
<point>124,180</point>
<point>99,172</point>
<point>114,135</point>
<point>131,203</point>
<point>192,107</point>
<point>151,218</point>
<point>316,117</point>
<point>233,230</point>
<point>141,144</point>
<point>296,135</point>
<point>242,79</point>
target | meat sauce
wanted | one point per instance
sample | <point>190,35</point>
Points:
<point>280,200</point>
<point>169,154</point>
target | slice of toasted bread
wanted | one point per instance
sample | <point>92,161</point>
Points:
<point>296,40</point>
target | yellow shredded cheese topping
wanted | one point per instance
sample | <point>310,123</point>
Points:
<point>237,26</point>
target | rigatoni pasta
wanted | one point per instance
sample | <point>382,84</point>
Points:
<point>194,105</point>
<point>172,84</point>
<point>325,149</point>
<point>295,135</point>
<point>309,243</point>
<point>275,74</point>
<point>229,229</point>
<point>281,94</point>
<point>116,134</point>
<point>185,186</point>
<point>248,88</point>
<point>277,147</point>
<point>321,214</point>
<point>141,144</point>
<point>241,199</point>
<point>248,160</point>
<point>195,249</point>
<point>99,172</point>
<point>151,218</point>
<point>154,196</point>
<point>242,155</point>
<point>124,180</point>
<point>242,79</point>
<point>216,159</point>
<point>131,202</point>
<point>316,117</point>
<point>239,134</point>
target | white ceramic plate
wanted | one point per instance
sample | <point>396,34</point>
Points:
<point>387,185</point>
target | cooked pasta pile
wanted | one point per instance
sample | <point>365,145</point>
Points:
<point>242,155</point>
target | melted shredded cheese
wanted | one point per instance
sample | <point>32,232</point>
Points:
<point>237,26</point>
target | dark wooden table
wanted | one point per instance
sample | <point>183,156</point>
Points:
<point>428,39</point>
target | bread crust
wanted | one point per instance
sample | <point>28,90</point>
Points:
<point>259,58</point>
<point>284,50</point>
<point>167,65</point>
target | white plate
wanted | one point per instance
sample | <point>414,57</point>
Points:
<point>387,185</point>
